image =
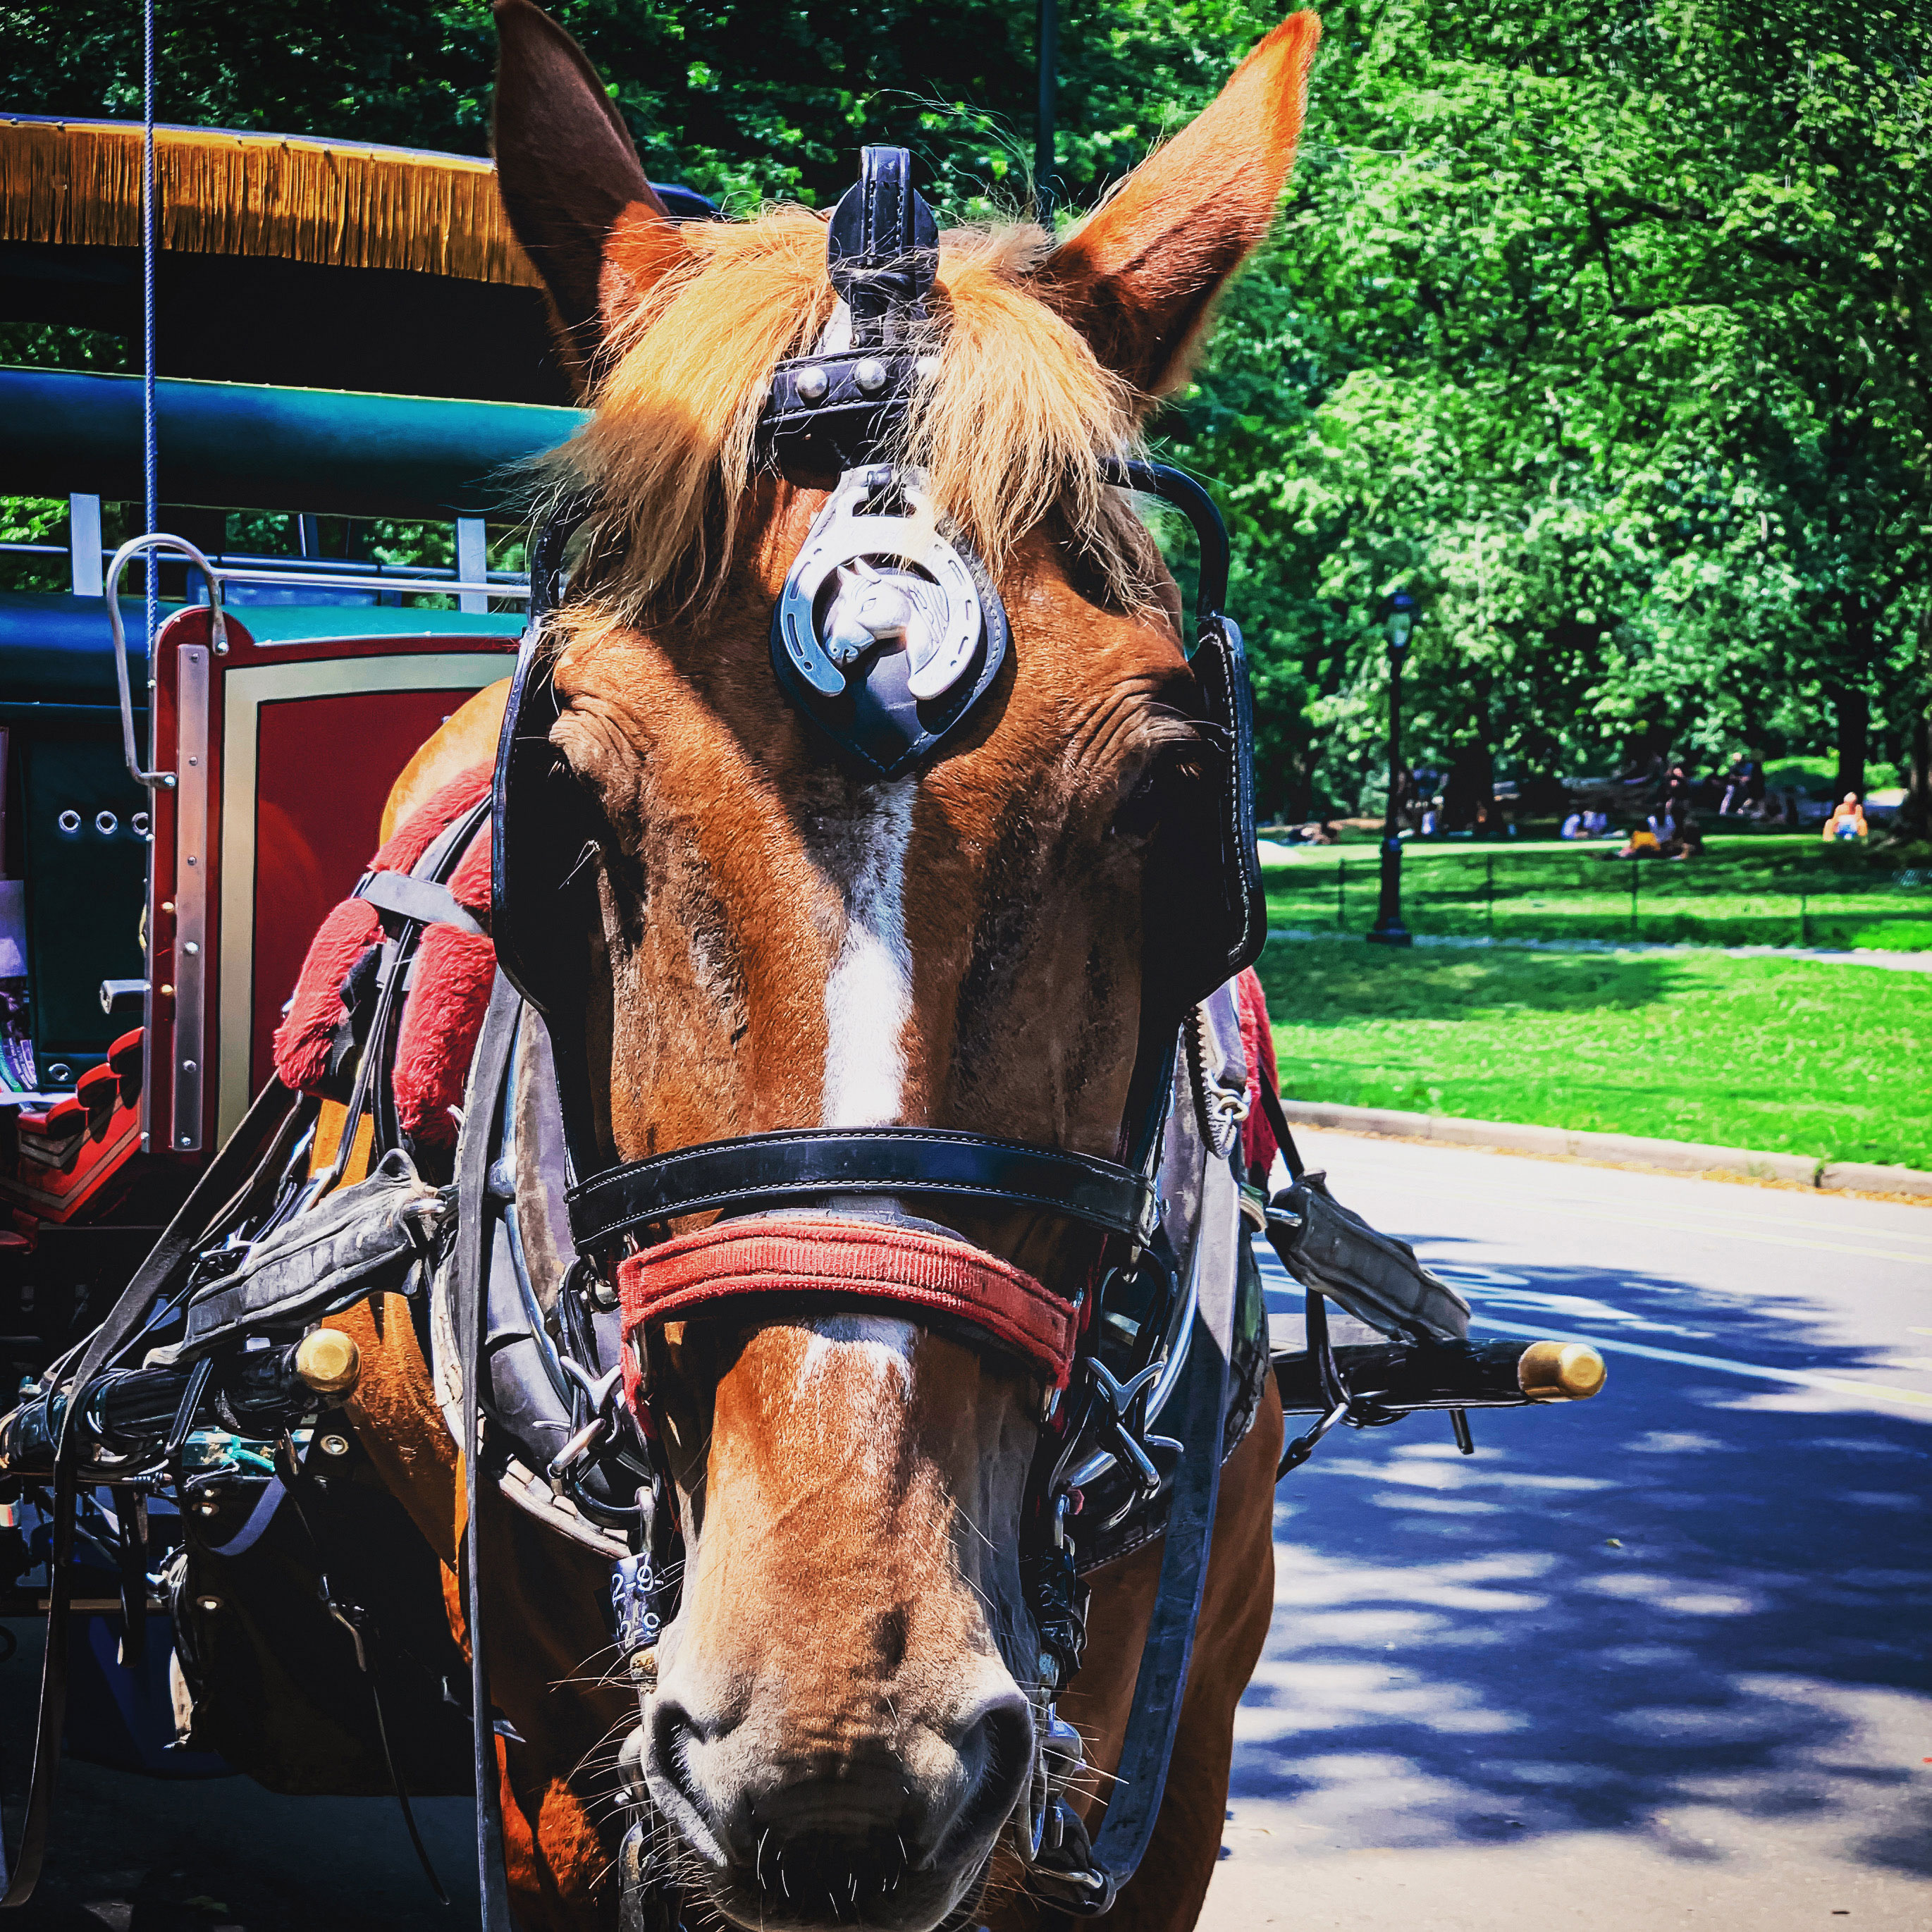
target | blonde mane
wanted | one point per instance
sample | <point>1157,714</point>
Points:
<point>1014,424</point>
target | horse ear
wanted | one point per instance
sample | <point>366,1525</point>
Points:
<point>577,200</point>
<point>1139,275</point>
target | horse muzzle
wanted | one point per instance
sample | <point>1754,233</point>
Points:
<point>885,1832</point>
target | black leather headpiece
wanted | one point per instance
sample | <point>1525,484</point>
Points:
<point>888,709</point>
<point>836,410</point>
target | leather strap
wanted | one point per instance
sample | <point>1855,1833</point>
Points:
<point>864,1260</point>
<point>426,901</point>
<point>493,1048</point>
<point>1197,1413</point>
<point>810,1164</point>
<point>820,417</point>
<point>227,1172</point>
<point>1278,1120</point>
<point>882,247</point>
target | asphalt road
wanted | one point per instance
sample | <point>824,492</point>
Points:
<point>1656,1661</point>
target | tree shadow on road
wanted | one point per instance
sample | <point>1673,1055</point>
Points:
<point>1696,1591</point>
<point>1319,981</point>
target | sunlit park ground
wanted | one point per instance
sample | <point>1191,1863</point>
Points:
<point>1783,1055</point>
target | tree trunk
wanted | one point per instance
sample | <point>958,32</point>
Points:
<point>1469,799</point>
<point>1914,816</point>
<point>1854,709</point>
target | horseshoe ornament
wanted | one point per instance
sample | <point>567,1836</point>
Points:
<point>843,536</point>
<point>888,632</point>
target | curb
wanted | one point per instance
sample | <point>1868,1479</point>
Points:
<point>1624,1149</point>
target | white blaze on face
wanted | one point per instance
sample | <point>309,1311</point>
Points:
<point>868,1003</point>
<point>868,996</point>
<point>874,1347</point>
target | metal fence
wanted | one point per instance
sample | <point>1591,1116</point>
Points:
<point>1559,896</point>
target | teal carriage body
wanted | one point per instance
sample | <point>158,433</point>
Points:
<point>150,934</point>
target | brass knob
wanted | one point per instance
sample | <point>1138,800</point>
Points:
<point>327,1362</point>
<point>1560,1372</point>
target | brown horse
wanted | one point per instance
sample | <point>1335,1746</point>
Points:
<point>782,944</point>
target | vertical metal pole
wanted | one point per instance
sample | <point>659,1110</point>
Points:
<point>472,562</point>
<point>150,467</point>
<point>83,544</point>
<point>1804,921</point>
<point>1388,929</point>
<point>1049,83</point>
<point>1490,890</point>
<point>1341,894</point>
<point>1636,872</point>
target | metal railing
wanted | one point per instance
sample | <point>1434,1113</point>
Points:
<point>415,579</point>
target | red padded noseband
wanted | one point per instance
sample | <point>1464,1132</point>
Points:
<point>848,1260</point>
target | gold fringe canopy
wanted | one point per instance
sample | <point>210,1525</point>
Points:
<point>342,204</point>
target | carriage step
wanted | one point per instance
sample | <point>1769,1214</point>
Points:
<point>1399,1377</point>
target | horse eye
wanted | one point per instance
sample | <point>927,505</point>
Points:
<point>1140,814</point>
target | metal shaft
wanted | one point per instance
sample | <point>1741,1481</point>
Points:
<point>1049,81</point>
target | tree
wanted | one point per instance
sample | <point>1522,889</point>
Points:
<point>1600,327</point>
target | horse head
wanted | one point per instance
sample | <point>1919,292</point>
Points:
<point>781,931</point>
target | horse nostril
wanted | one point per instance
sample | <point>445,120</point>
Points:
<point>669,1733</point>
<point>996,1749</point>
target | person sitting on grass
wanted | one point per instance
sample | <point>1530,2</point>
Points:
<point>1641,844</point>
<point>1744,791</point>
<point>1573,827</point>
<point>1688,843</point>
<point>1847,820</point>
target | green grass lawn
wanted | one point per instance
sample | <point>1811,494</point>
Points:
<point>1745,890</point>
<point>1789,1056</point>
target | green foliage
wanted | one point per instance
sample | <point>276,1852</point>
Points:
<point>1789,1056</point>
<point>741,100</point>
<point>1603,327</point>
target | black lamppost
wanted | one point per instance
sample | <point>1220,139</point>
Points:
<point>1049,82</point>
<point>1388,929</point>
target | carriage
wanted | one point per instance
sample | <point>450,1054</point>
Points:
<point>207,1227</point>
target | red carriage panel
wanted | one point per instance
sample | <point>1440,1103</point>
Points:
<point>284,752</point>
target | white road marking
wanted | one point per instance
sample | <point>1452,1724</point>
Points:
<point>1568,1207</point>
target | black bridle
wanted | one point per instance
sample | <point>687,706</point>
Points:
<point>839,408</point>
<point>546,831</point>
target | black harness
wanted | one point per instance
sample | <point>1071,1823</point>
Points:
<point>1159,1337</point>
<point>840,407</point>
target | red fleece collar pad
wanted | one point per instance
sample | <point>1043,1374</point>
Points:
<point>848,1260</point>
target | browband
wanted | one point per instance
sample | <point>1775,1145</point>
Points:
<point>764,1170</point>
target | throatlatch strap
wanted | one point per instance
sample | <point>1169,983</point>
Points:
<point>866,1260</point>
